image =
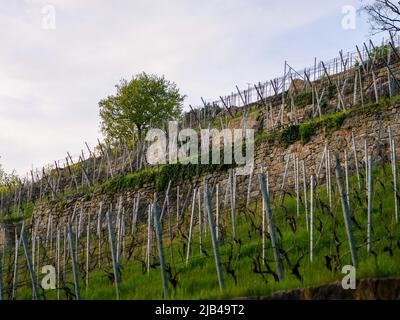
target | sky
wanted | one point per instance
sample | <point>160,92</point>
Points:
<point>59,58</point>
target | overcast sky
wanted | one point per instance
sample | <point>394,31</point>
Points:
<point>52,79</point>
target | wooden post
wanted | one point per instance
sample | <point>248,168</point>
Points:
<point>328,170</point>
<point>156,213</point>
<point>48,229</point>
<point>165,200</point>
<point>76,235</point>
<point>233,203</point>
<point>375,87</point>
<point>346,171</point>
<point>38,260</point>
<point>228,186</point>
<point>51,233</point>
<point>200,221</point>
<point>78,231</point>
<point>169,231</point>
<point>87,252</point>
<point>135,214</point>
<point>214,239</point>
<point>123,234</point>
<point>177,206</point>
<point>271,227</point>
<point>366,163</point>
<point>285,173</point>
<point>355,89</point>
<point>370,186</point>
<point>297,185</point>
<point>305,191</point>
<point>29,266</point>
<point>316,178</point>
<point>191,227</point>
<point>111,238</point>
<point>72,248</point>
<point>15,277</point>
<point>263,219</point>
<point>149,237</point>
<point>346,211</point>
<point>249,187</point>
<point>1,273</point>
<point>356,160</point>
<point>58,249</point>
<point>312,183</point>
<point>394,171</point>
<point>217,211</point>
<point>263,229</point>
<point>65,252</point>
<point>99,233</point>
<point>361,87</point>
<point>204,217</point>
<point>120,234</point>
<point>118,228</point>
<point>33,245</point>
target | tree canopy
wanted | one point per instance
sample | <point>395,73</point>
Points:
<point>143,101</point>
<point>7,179</point>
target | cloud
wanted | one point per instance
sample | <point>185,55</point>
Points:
<point>51,80</point>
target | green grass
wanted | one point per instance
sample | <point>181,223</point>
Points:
<point>160,175</point>
<point>199,280</point>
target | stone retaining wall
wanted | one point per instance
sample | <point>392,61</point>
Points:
<point>270,157</point>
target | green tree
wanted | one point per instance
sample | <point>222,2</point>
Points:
<point>143,101</point>
<point>7,180</point>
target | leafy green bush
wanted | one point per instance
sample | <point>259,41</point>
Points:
<point>159,176</point>
<point>265,136</point>
<point>303,99</point>
<point>136,179</point>
<point>334,121</point>
<point>289,135</point>
<point>183,172</point>
<point>380,52</point>
<point>15,215</point>
<point>307,130</point>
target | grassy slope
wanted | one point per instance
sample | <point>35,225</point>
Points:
<point>199,280</point>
